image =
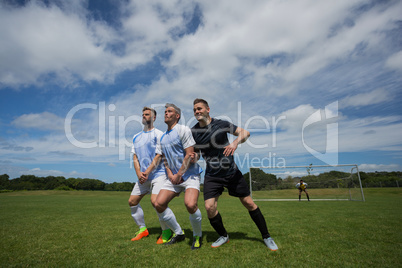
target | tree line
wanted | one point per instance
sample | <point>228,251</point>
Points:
<point>332,179</point>
<point>32,182</point>
<point>260,180</point>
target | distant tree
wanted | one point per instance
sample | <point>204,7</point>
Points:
<point>4,182</point>
<point>261,180</point>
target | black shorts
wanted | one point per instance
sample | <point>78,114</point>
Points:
<point>235,183</point>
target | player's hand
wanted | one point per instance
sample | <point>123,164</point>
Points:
<point>143,177</point>
<point>194,157</point>
<point>176,179</point>
<point>230,149</point>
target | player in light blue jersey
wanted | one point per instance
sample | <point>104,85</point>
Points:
<point>177,145</point>
<point>151,174</point>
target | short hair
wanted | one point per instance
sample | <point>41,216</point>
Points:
<point>149,109</point>
<point>301,180</point>
<point>177,109</point>
<point>197,100</point>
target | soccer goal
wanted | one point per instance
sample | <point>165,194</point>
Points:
<point>324,183</point>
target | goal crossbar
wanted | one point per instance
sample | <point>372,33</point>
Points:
<point>354,166</point>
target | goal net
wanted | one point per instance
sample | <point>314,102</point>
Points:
<point>324,182</point>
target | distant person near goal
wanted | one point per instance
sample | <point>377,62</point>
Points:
<point>302,188</point>
<point>211,137</point>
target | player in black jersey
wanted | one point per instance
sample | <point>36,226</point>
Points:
<point>212,143</point>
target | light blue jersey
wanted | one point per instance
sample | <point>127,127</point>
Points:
<point>172,145</point>
<point>144,146</point>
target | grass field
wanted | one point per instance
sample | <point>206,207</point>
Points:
<point>88,229</point>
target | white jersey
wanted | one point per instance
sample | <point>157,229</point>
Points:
<point>172,145</point>
<point>144,147</point>
<point>301,186</point>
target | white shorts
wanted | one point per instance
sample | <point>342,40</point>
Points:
<point>192,182</point>
<point>145,188</point>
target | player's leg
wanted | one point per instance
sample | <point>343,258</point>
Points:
<point>215,219</point>
<point>308,198</point>
<point>300,191</point>
<point>255,215</point>
<point>138,192</point>
<point>259,220</point>
<point>238,186</point>
<point>213,188</point>
<point>157,184</point>
<point>167,216</point>
<point>192,186</point>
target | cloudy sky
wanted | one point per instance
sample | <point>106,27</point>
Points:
<point>313,81</point>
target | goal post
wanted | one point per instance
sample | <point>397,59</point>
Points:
<point>324,183</point>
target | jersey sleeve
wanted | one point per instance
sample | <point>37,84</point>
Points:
<point>132,146</point>
<point>132,150</point>
<point>298,185</point>
<point>186,137</point>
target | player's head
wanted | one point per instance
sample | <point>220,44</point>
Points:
<point>201,109</point>
<point>172,113</point>
<point>301,181</point>
<point>148,115</point>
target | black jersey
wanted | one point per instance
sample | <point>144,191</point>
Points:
<point>211,140</point>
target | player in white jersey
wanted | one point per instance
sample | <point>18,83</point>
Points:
<point>150,171</point>
<point>302,188</point>
<point>177,146</point>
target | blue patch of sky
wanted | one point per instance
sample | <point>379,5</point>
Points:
<point>143,75</point>
<point>352,76</point>
<point>357,11</point>
<point>117,48</point>
<point>106,10</point>
<point>368,5</point>
<point>192,20</point>
<point>369,157</point>
<point>15,3</point>
<point>59,100</point>
<point>279,59</point>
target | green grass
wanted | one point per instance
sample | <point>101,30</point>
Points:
<point>328,193</point>
<point>76,229</point>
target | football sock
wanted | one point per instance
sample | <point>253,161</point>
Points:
<point>217,224</point>
<point>138,215</point>
<point>259,220</point>
<point>195,220</point>
<point>163,224</point>
<point>308,198</point>
<point>169,218</point>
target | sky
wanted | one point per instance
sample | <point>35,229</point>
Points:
<point>315,82</point>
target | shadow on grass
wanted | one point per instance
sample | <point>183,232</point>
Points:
<point>210,237</point>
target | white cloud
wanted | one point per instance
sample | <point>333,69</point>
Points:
<point>378,167</point>
<point>45,40</point>
<point>367,98</point>
<point>395,61</point>
<point>17,171</point>
<point>42,121</point>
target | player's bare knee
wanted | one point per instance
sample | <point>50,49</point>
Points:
<point>249,204</point>
<point>191,207</point>
<point>160,207</point>
<point>132,202</point>
<point>211,209</point>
